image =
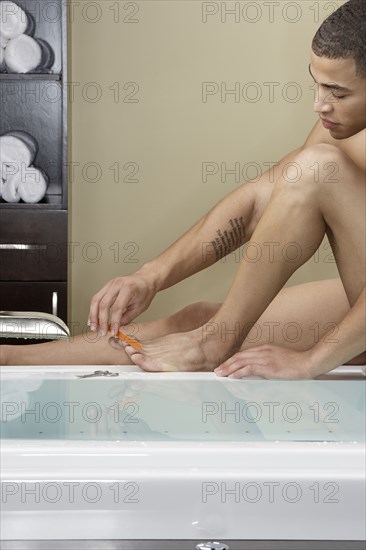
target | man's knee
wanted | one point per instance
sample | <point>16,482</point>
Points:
<point>324,163</point>
<point>312,169</point>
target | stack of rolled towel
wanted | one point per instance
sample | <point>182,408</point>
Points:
<point>19,51</point>
<point>19,179</point>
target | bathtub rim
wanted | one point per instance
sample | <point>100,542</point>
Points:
<point>351,372</point>
<point>168,459</point>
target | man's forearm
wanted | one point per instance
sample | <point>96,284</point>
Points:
<point>344,343</point>
<point>226,227</point>
<point>222,230</point>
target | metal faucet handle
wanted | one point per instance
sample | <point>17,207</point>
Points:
<point>32,324</point>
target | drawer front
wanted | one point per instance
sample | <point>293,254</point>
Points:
<point>37,296</point>
<point>33,245</point>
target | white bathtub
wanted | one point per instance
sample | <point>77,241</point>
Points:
<point>137,458</point>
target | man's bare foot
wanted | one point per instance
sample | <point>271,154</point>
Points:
<point>179,352</point>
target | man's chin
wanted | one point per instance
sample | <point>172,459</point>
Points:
<point>338,135</point>
<point>341,133</point>
<point>344,133</point>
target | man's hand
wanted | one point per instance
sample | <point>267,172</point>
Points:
<point>124,297</point>
<point>271,362</point>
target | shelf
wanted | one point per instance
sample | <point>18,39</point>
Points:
<point>36,102</point>
<point>30,76</point>
<point>49,202</point>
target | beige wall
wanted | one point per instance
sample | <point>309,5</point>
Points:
<point>162,127</point>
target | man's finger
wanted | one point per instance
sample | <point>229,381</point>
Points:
<point>117,311</point>
<point>103,313</point>
<point>93,319</point>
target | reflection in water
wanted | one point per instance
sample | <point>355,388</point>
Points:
<point>212,409</point>
<point>14,396</point>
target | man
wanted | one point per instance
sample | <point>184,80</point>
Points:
<point>318,188</point>
<point>292,209</point>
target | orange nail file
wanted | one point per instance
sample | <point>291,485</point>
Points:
<point>131,341</point>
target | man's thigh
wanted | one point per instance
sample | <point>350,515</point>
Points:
<point>300,315</point>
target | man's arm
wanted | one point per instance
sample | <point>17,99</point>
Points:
<point>194,251</point>
<point>222,230</point>
<point>206,242</point>
<point>200,247</point>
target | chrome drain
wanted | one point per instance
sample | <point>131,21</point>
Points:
<point>212,546</point>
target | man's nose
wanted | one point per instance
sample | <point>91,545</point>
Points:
<point>323,103</point>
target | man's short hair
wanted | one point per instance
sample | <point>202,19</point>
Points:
<point>342,35</point>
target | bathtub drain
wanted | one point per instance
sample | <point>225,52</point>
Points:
<point>212,546</point>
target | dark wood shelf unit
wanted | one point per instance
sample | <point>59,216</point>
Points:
<point>29,277</point>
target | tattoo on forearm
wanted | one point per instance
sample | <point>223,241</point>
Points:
<point>227,241</point>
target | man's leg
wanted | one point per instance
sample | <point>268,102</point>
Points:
<point>92,349</point>
<point>300,316</point>
<point>297,318</point>
<point>321,191</point>
<point>324,191</point>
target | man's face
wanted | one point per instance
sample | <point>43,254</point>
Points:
<point>340,98</point>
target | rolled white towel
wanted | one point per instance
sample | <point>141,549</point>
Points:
<point>10,191</point>
<point>2,182</point>
<point>13,20</point>
<point>23,54</point>
<point>2,59</point>
<point>8,170</point>
<point>33,185</point>
<point>3,174</point>
<point>31,26</point>
<point>29,140</point>
<point>3,41</point>
<point>29,184</point>
<point>16,150</point>
<point>48,56</point>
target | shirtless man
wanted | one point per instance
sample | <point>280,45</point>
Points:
<point>316,189</point>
